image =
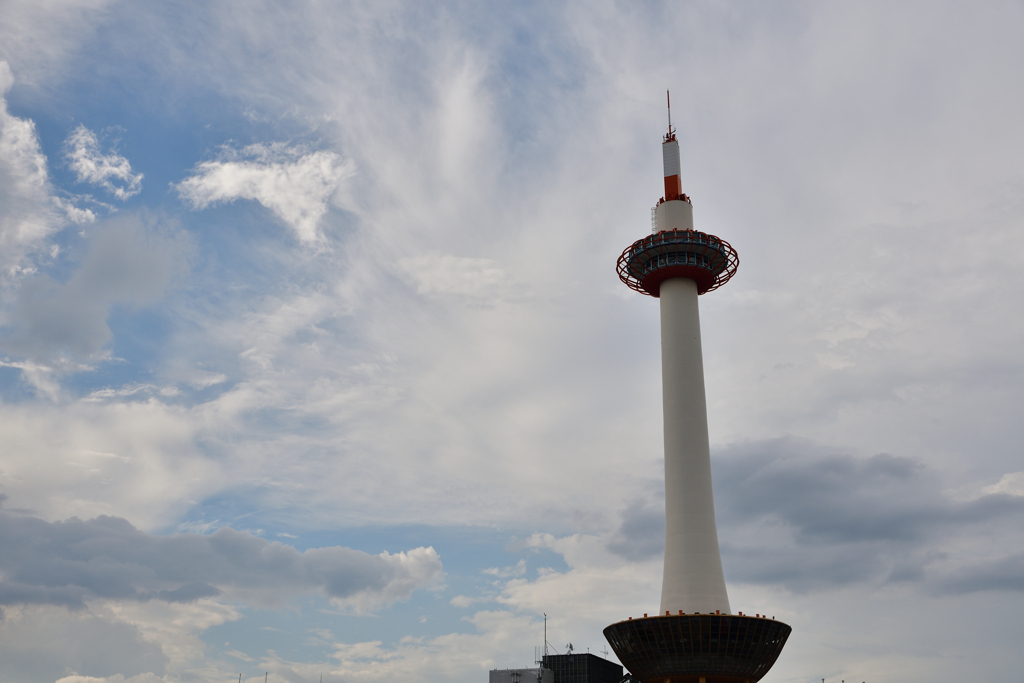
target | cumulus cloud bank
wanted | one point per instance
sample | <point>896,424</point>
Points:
<point>294,184</point>
<point>68,563</point>
<point>110,171</point>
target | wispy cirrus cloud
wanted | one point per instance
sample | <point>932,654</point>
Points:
<point>109,170</point>
<point>295,184</point>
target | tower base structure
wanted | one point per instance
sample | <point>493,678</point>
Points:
<point>698,648</point>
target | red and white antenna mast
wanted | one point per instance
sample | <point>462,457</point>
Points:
<point>670,159</point>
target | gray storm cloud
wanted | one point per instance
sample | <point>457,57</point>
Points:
<point>1005,573</point>
<point>70,562</point>
<point>805,517</point>
<point>802,516</point>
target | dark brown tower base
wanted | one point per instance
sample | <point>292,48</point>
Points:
<point>698,648</point>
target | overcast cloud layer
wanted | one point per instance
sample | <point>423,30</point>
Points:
<point>313,360</point>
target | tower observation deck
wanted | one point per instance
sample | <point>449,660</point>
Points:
<point>695,638</point>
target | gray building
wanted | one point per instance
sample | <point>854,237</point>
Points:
<point>582,668</point>
<point>522,676</point>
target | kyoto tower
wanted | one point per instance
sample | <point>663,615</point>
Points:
<point>695,637</point>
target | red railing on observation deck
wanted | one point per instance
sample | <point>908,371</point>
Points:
<point>706,259</point>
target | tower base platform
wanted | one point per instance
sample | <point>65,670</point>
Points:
<point>698,648</point>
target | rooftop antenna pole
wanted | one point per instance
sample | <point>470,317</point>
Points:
<point>545,634</point>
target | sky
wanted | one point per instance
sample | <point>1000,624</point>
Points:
<point>314,362</point>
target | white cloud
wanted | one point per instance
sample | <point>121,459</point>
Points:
<point>41,377</point>
<point>239,655</point>
<point>38,38</point>
<point>117,678</point>
<point>596,589</point>
<point>866,170</point>
<point>462,601</point>
<point>1011,483</point>
<point>135,458</point>
<point>77,214</point>
<point>294,184</point>
<point>139,603</point>
<point>40,643</point>
<point>173,629</point>
<point>128,262</point>
<point>473,278</point>
<point>209,380</point>
<point>499,639</point>
<point>598,585</point>
<point>504,572</point>
<point>110,171</point>
<point>30,211</point>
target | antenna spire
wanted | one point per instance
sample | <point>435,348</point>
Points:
<point>668,101</point>
<point>671,135</point>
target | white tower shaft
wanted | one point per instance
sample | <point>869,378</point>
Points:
<point>693,579</point>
